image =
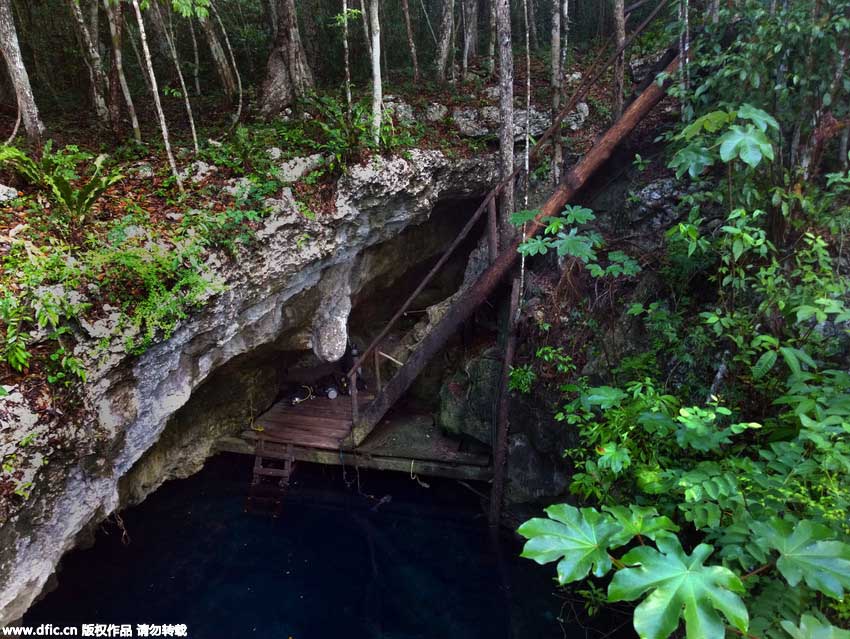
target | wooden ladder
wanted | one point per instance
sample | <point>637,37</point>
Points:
<point>275,460</point>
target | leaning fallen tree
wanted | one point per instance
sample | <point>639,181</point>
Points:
<point>464,306</point>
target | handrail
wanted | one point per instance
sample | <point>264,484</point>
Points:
<point>590,79</point>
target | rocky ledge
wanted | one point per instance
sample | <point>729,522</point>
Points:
<point>293,287</point>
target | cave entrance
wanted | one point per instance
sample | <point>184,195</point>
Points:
<point>255,390</point>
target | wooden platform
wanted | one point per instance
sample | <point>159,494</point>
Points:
<point>404,441</point>
<point>317,423</point>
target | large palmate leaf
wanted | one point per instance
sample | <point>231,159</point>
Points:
<point>638,521</point>
<point>748,143</point>
<point>679,586</point>
<point>578,538</point>
<point>809,552</point>
<point>693,160</point>
<point>813,628</point>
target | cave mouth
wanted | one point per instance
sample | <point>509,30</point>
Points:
<point>226,406</point>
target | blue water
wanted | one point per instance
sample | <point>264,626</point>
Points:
<point>422,566</point>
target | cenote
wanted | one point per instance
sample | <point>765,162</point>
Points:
<point>357,554</point>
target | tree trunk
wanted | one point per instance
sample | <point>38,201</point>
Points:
<point>196,68</point>
<point>163,125</point>
<point>506,106</point>
<point>555,83</point>
<point>377,86</point>
<point>117,77</point>
<point>233,62</point>
<point>470,33</point>
<point>491,42</point>
<point>94,23</point>
<point>444,46</point>
<point>20,78</point>
<point>176,60</point>
<point>94,63</point>
<point>411,41</point>
<point>269,6</point>
<point>532,25</point>
<point>714,11</point>
<point>364,15</point>
<point>288,76</point>
<point>347,56</point>
<point>222,66</point>
<point>620,63</point>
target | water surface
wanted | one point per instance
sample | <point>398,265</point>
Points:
<point>422,565</point>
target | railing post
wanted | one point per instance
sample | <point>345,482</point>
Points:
<point>378,369</point>
<point>355,408</point>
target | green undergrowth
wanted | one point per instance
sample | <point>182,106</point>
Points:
<point>711,479</point>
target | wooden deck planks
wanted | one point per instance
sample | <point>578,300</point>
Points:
<point>316,423</point>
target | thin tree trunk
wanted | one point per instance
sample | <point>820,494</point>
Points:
<point>270,7</point>
<point>446,34</point>
<point>288,75</point>
<point>11,50</point>
<point>491,41</point>
<point>377,86</point>
<point>116,23</point>
<point>138,56</point>
<point>94,63</point>
<point>526,6</point>
<point>234,65</point>
<point>470,33</point>
<point>506,106</point>
<point>411,41</point>
<point>620,63</point>
<point>364,15</point>
<point>222,66</point>
<point>714,11</point>
<point>843,160</point>
<point>347,56</point>
<point>163,125</point>
<point>196,68</point>
<point>94,23</point>
<point>555,83</point>
<point>176,60</point>
<point>532,25</point>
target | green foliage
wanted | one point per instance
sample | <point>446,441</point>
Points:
<point>679,586</point>
<point>56,173</point>
<point>731,417</point>
<point>565,235</point>
<point>522,379</point>
<point>577,539</point>
<point>813,628</point>
<point>346,135</point>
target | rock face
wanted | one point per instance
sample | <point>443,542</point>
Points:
<point>477,122</point>
<point>273,294</point>
<point>535,468</point>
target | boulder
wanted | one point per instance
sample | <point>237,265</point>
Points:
<point>7,193</point>
<point>436,112</point>
<point>468,398</point>
<point>296,168</point>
